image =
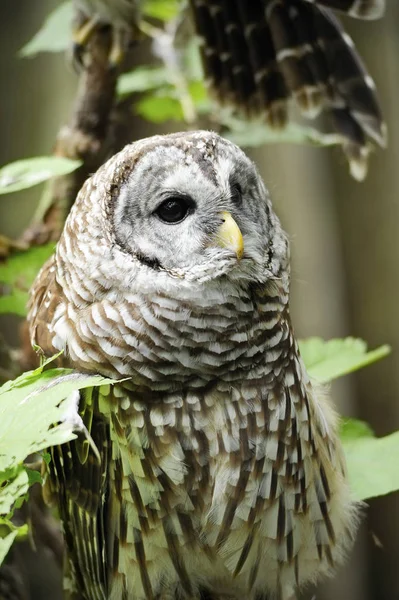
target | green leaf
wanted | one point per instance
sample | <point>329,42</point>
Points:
<point>6,541</point>
<point>327,360</point>
<point>257,133</point>
<point>23,379</point>
<point>159,109</point>
<point>55,33</point>
<point>39,409</point>
<point>353,429</point>
<point>12,490</point>
<point>46,457</point>
<point>372,462</point>
<point>192,60</point>
<point>28,172</point>
<point>200,96</point>
<point>33,476</point>
<point>164,10</point>
<point>17,274</point>
<point>14,303</point>
<point>142,79</point>
<point>30,406</point>
<point>8,533</point>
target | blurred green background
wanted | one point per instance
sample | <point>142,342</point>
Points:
<point>344,246</point>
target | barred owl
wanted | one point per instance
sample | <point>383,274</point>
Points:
<point>221,474</point>
<point>259,55</point>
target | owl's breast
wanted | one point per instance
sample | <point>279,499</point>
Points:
<point>167,344</point>
<point>214,483</point>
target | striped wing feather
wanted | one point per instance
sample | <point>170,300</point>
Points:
<point>79,480</point>
<point>258,55</point>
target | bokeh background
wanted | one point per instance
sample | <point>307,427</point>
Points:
<point>344,245</point>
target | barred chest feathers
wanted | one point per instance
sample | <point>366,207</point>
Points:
<point>208,495</point>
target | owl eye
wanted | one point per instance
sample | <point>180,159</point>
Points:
<point>173,210</point>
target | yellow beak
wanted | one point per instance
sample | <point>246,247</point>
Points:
<point>229,235</point>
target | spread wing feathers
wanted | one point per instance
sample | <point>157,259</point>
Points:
<point>258,55</point>
<point>79,481</point>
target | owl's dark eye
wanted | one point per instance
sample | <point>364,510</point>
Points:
<point>173,210</point>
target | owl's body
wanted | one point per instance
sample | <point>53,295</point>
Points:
<point>221,474</point>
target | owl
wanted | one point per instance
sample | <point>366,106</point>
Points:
<point>260,55</point>
<point>218,472</point>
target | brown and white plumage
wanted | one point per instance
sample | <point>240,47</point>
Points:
<point>259,55</point>
<point>221,474</point>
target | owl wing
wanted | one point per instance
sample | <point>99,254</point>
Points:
<point>258,55</point>
<point>76,478</point>
<point>44,298</point>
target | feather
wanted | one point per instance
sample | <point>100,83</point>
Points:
<point>258,55</point>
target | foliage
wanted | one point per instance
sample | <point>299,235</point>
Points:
<point>37,410</point>
<point>142,79</point>
<point>372,462</point>
<point>256,133</point>
<point>55,33</point>
<point>326,361</point>
<point>164,10</point>
<point>17,275</point>
<point>26,173</point>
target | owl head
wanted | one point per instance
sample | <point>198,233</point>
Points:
<point>175,211</point>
